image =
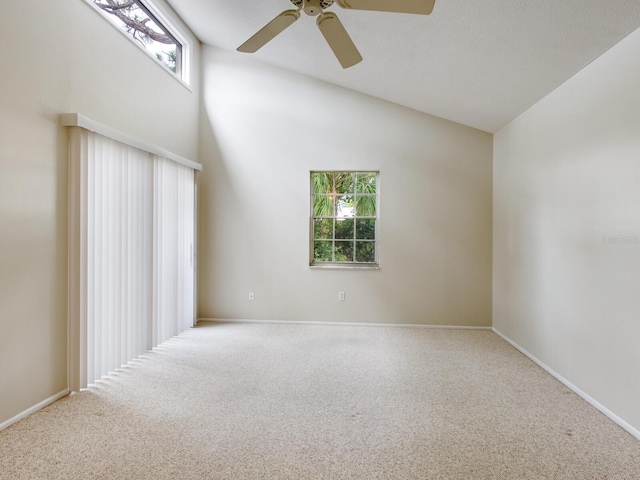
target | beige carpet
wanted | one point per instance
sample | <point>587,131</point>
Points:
<point>240,401</point>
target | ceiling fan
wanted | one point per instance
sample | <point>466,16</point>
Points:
<point>330,25</point>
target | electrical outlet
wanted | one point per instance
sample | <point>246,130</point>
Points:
<point>341,296</point>
<point>252,296</point>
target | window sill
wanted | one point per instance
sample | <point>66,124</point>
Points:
<point>334,266</point>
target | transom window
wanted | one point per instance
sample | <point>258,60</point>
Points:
<point>344,218</point>
<point>135,18</point>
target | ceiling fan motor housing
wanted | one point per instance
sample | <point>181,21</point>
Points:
<point>312,7</point>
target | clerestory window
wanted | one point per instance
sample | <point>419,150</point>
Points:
<point>344,218</point>
<point>145,28</point>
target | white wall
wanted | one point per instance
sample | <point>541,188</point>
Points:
<point>567,230</point>
<point>263,129</point>
<point>61,56</point>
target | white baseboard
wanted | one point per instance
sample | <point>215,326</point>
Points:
<point>35,408</point>
<point>633,431</point>
<point>341,324</point>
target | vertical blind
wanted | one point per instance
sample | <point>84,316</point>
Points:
<point>173,214</point>
<point>131,253</point>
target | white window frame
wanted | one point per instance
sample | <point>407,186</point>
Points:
<point>166,19</point>
<point>313,217</point>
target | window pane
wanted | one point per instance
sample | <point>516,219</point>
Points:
<point>345,182</point>
<point>366,182</point>
<point>323,228</point>
<point>344,251</point>
<point>344,229</point>
<point>366,252</point>
<point>365,229</point>
<point>323,206</point>
<point>365,206</point>
<point>322,251</point>
<point>322,183</point>
<point>346,204</point>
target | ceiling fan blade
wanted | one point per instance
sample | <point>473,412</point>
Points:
<point>269,31</point>
<point>338,39</point>
<point>423,7</point>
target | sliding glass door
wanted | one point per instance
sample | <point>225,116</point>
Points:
<point>132,246</point>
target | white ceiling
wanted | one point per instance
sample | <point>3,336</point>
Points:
<point>477,62</point>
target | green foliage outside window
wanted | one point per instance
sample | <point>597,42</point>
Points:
<point>344,217</point>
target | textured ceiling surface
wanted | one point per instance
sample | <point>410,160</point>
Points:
<point>479,63</point>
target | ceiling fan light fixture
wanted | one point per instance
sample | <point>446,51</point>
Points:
<point>312,7</point>
<point>324,4</point>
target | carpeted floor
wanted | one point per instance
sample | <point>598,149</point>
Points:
<point>249,401</point>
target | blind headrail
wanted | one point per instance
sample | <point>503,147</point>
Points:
<point>78,120</point>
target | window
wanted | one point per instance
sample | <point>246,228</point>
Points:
<point>144,27</point>
<point>344,218</point>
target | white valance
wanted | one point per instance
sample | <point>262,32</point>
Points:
<point>78,120</point>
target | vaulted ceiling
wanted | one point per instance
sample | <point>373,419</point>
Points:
<point>477,62</point>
